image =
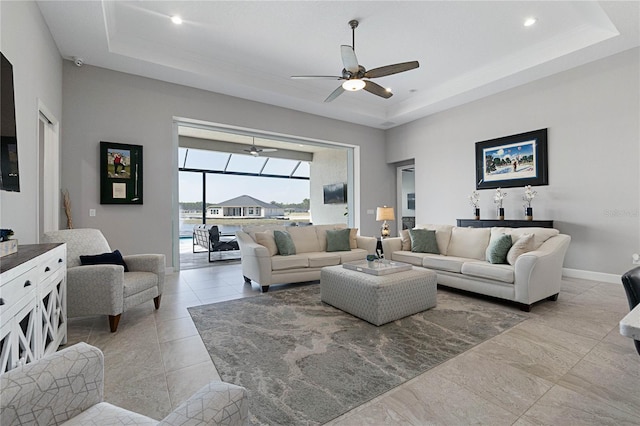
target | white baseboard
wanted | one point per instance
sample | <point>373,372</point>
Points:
<point>591,275</point>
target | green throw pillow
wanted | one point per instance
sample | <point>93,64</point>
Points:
<point>498,249</point>
<point>338,240</point>
<point>284,243</point>
<point>423,241</point>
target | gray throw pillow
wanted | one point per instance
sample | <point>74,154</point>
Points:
<point>423,241</point>
<point>338,240</point>
<point>284,243</point>
<point>498,249</point>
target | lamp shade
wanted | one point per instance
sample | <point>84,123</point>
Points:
<point>385,213</point>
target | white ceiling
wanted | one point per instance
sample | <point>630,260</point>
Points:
<point>249,49</point>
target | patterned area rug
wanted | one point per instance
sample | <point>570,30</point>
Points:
<point>305,362</point>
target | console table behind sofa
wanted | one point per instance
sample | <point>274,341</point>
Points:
<point>509,223</point>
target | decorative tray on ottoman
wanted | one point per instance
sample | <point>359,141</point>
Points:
<point>375,267</point>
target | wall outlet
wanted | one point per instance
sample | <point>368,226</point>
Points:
<point>635,257</point>
<point>92,212</point>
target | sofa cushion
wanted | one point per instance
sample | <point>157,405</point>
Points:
<point>540,235</point>
<point>486,270</point>
<point>285,244</point>
<point>252,229</point>
<point>444,263</point>
<point>443,236</point>
<point>353,255</point>
<point>408,257</point>
<point>423,241</point>
<point>304,238</point>
<point>321,233</point>
<point>321,259</point>
<point>353,238</point>
<point>523,245</point>
<point>469,242</point>
<point>338,240</point>
<point>406,240</point>
<point>268,240</point>
<point>499,246</point>
<point>136,282</point>
<point>279,263</point>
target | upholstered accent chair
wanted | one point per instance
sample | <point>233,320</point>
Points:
<point>106,289</point>
<point>67,388</point>
<point>631,283</point>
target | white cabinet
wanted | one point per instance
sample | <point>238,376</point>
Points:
<point>33,303</point>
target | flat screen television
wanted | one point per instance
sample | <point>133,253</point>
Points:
<point>9,176</point>
<point>335,193</point>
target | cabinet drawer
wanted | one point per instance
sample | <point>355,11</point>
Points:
<point>53,262</point>
<point>11,292</point>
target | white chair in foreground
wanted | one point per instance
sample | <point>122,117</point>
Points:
<point>67,388</point>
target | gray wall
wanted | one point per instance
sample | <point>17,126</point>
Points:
<point>103,105</point>
<point>592,113</point>
<point>37,75</point>
<point>328,167</point>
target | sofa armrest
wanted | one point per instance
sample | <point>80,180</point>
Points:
<point>54,388</point>
<point>95,290</point>
<point>155,263</point>
<point>538,274</point>
<point>215,404</point>
<point>367,243</point>
<point>390,245</point>
<point>256,260</point>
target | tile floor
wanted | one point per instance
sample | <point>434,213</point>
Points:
<point>566,364</point>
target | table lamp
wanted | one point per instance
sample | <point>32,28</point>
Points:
<point>385,213</point>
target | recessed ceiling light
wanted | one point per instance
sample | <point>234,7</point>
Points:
<point>529,22</point>
<point>176,19</point>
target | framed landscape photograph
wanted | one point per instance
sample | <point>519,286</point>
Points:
<point>120,173</point>
<point>511,161</point>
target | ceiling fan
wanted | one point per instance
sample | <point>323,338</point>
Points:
<point>354,73</point>
<point>255,151</point>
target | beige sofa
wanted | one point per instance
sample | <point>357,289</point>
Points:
<point>533,276</point>
<point>262,263</point>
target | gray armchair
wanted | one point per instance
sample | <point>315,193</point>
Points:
<point>107,289</point>
<point>67,387</point>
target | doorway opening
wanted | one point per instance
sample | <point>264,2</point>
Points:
<point>239,177</point>
<point>406,190</point>
<point>48,204</point>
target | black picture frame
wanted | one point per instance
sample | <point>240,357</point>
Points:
<point>335,193</point>
<point>121,173</point>
<point>512,161</point>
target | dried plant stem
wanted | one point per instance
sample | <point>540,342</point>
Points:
<point>67,208</point>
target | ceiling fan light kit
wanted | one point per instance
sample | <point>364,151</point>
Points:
<point>353,85</point>
<point>255,151</point>
<point>354,73</point>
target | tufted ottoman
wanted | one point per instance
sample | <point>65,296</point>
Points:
<point>378,299</point>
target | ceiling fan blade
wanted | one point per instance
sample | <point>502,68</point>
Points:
<point>268,150</point>
<point>335,94</point>
<point>349,59</point>
<point>376,89</point>
<point>391,69</point>
<point>319,77</point>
